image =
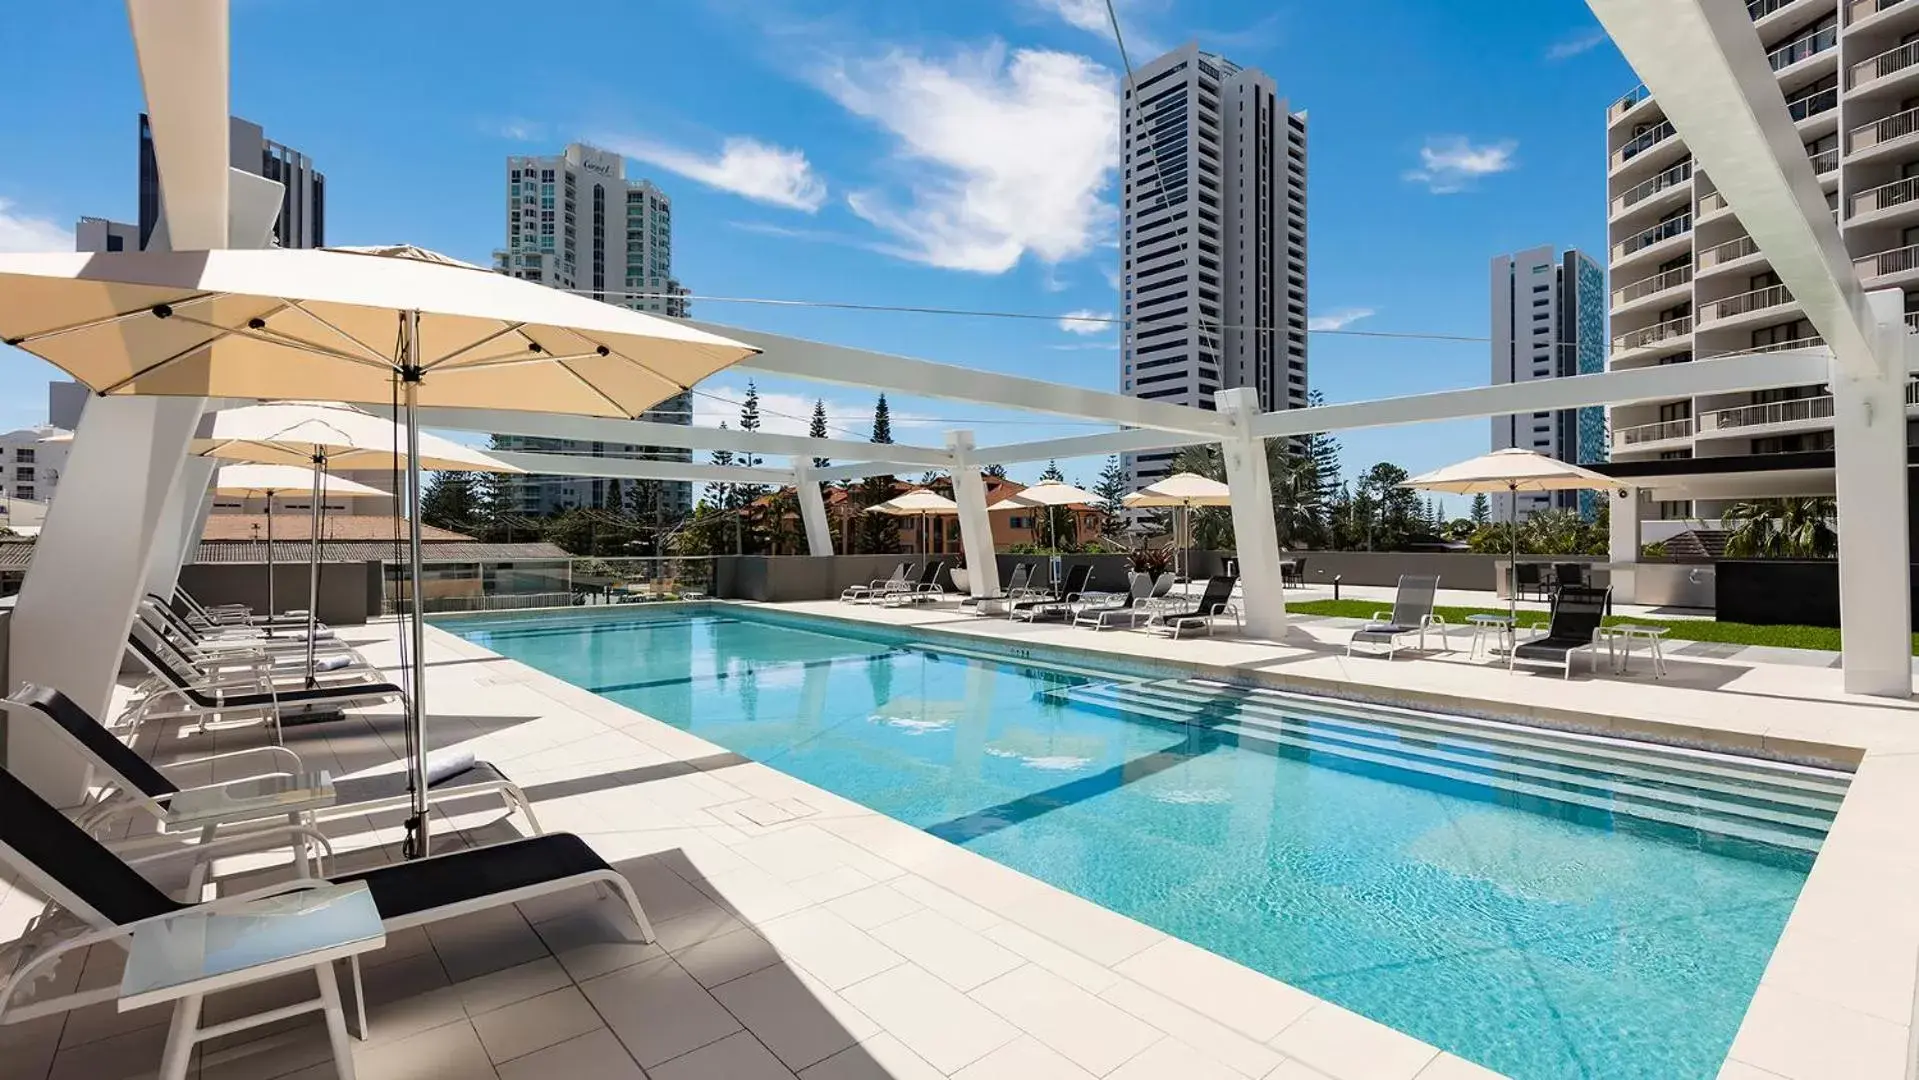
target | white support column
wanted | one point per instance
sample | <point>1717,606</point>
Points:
<point>976,527</point>
<point>1255,534</point>
<point>1869,476</point>
<point>819,537</point>
<point>1624,516</point>
<point>181,520</point>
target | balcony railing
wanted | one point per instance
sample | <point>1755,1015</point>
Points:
<point>1866,9</point>
<point>1825,161</point>
<point>1819,101</point>
<point>1655,284</point>
<point>1798,410</point>
<point>1890,62</point>
<point>1652,335</point>
<point>1803,49</point>
<point>1671,178</point>
<point>1624,438</point>
<point>1759,9</point>
<point>1896,126</point>
<point>1756,300</point>
<point>563,582</point>
<point>1873,200</point>
<point>1631,98</point>
<point>1912,321</point>
<point>1711,203</point>
<point>1665,230</point>
<point>1728,251</point>
<point>1813,342</point>
<point>1643,141</point>
<point>1896,261</point>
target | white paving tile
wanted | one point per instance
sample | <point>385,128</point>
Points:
<point>1344,1043</point>
<point>1214,1039</point>
<point>535,1024</point>
<point>736,1057</point>
<point>798,1018</point>
<point>1054,957</point>
<point>1168,1059</point>
<point>596,1055</point>
<point>833,950</point>
<point>947,949</point>
<point>881,1057</point>
<point>873,906</point>
<point>1024,1058</point>
<point>658,1011</point>
<point>727,957</point>
<point>1238,997</point>
<point>1093,1033</point>
<point>935,1021</point>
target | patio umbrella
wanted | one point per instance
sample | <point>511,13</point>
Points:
<point>917,502</point>
<point>1182,492</point>
<point>1511,471</point>
<point>268,481</point>
<point>1049,494</point>
<point>381,325</point>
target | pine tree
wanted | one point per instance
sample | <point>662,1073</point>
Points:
<point>817,430</point>
<point>1321,453</point>
<point>1482,510</point>
<point>996,471</point>
<point>1052,475</point>
<point>745,496</point>
<point>877,532</point>
<point>1111,489</point>
<point>450,502</point>
<point>720,496</point>
<point>882,421</point>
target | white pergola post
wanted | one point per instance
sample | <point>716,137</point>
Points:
<point>819,537</point>
<point>976,527</point>
<point>1869,477</point>
<point>1256,536</point>
<point>1623,549</point>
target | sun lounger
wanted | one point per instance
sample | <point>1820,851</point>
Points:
<point>925,589</point>
<point>860,594</point>
<point>1214,603</point>
<point>1411,616</point>
<point>1039,605</point>
<point>1129,608</point>
<point>261,698</point>
<point>1577,615</point>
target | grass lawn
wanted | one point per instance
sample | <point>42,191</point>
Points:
<point>1787,637</point>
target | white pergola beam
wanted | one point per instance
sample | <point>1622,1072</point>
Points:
<point>638,469</point>
<point>654,433</point>
<point>1708,72</point>
<point>860,470</point>
<point>819,361</point>
<point>1724,375</point>
<point>1101,445</point>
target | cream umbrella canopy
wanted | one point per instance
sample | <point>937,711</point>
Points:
<point>1182,492</point>
<point>919,503</point>
<point>1511,471</point>
<point>391,325</point>
<point>1050,494</point>
<point>269,481</point>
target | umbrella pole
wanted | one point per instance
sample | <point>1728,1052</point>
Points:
<point>1512,585</point>
<point>270,611</point>
<point>418,846</point>
<point>313,564</point>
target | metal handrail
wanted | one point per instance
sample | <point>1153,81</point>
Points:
<point>1884,197</point>
<point>1862,9</point>
<point>1896,126</point>
<point>1627,100</point>
<point>1712,202</point>
<point>1757,300</point>
<point>1672,177</point>
<point>562,582</point>
<point>1728,251</point>
<point>1644,141</point>
<point>1803,49</point>
<point>1795,411</point>
<point>1879,264</point>
<point>1653,334</point>
<point>1825,161</point>
<point>1647,433</point>
<point>1665,230</point>
<point>1647,286</point>
<point>1819,101</point>
<point>1890,62</point>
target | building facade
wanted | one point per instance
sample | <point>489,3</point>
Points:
<point>1689,283</point>
<point>1548,322</point>
<point>29,468</point>
<point>575,222</point>
<point>100,234</point>
<point>302,220</point>
<point>1213,238</point>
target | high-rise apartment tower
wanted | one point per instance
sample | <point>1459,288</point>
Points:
<point>1548,321</point>
<point>302,221</point>
<point>1213,238</point>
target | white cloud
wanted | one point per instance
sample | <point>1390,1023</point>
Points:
<point>1568,47</point>
<point>1451,163</point>
<point>521,130</point>
<point>1086,321</point>
<point>23,232</point>
<point>745,166</point>
<point>1005,155</point>
<point>1339,318</point>
<point>1091,16</point>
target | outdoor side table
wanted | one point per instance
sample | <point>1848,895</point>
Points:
<point>1625,633</point>
<point>292,794</point>
<point>202,950</point>
<point>1499,626</point>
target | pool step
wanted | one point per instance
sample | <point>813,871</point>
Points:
<point>1637,782</point>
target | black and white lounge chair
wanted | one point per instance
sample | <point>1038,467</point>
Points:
<point>282,653</point>
<point>1412,615</point>
<point>163,614</point>
<point>91,884</point>
<point>1577,615</point>
<point>258,698</point>
<point>235,615</point>
<point>130,781</point>
<point>1213,604</point>
<point>925,589</point>
<point>1038,605</point>
<point>861,594</point>
<point>1129,608</point>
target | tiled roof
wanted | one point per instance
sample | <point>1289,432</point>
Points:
<point>15,552</point>
<point>297,525</point>
<point>439,551</point>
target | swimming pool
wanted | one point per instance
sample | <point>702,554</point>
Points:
<point>1548,905</point>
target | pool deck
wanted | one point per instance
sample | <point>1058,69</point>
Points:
<point>800,934</point>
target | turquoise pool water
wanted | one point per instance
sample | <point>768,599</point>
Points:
<point>1539,938</point>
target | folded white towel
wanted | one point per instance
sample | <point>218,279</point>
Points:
<point>332,663</point>
<point>447,763</point>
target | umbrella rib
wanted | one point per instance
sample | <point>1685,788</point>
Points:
<point>518,361</point>
<point>168,362</point>
<point>370,351</point>
<point>272,337</point>
<point>588,383</point>
<point>108,320</point>
<point>515,328</point>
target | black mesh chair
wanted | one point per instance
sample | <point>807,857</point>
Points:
<point>1529,577</point>
<point>1577,615</point>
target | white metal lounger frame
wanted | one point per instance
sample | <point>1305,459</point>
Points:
<point>861,594</point>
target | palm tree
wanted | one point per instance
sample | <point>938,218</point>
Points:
<point>1796,528</point>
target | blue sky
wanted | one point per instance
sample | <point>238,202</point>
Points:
<point>946,155</point>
